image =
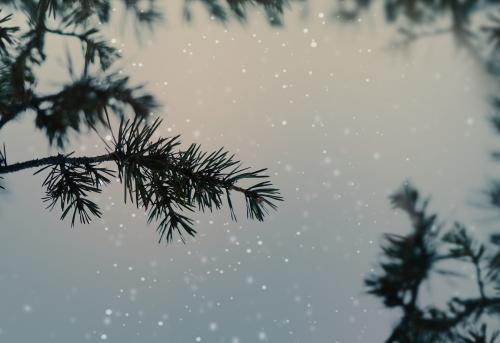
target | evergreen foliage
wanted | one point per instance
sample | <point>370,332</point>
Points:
<point>168,182</point>
<point>432,251</point>
<point>409,261</point>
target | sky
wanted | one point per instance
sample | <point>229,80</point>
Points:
<point>341,121</point>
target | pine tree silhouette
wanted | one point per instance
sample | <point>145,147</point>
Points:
<point>409,261</point>
<point>157,175</point>
<point>431,249</point>
<point>168,182</point>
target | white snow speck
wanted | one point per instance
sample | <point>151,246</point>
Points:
<point>213,326</point>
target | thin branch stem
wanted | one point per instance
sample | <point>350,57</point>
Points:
<point>51,160</point>
<point>479,278</point>
<point>81,36</point>
<point>39,162</point>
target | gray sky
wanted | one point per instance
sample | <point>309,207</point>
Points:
<point>338,119</point>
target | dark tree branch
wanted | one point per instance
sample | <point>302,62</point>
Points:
<point>52,160</point>
<point>82,160</point>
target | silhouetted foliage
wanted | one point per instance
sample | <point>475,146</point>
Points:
<point>474,24</point>
<point>157,174</point>
<point>409,261</point>
<point>221,10</point>
<point>23,52</point>
<point>168,181</point>
<point>80,103</point>
<point>432,249</point>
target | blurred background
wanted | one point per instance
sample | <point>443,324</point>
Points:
<point>340,119</point>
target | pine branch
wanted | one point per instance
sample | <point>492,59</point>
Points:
<point>82,160</point>
<point>6,33</point>
<point>52,160</point>
<point>408,261</point>
<point>156,175</point>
